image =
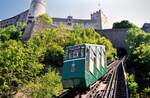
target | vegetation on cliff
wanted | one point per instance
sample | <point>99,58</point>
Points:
<point>30,67</point>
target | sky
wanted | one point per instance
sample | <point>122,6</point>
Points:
<point>136,11</point>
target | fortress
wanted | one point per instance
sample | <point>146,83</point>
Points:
<point>98,21</point>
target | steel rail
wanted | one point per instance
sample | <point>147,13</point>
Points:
<point>111,89</point>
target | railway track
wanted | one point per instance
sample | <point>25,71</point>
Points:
<point>121,87</point>
<point>106,87</point>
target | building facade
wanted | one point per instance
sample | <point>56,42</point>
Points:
<point>37,8</point>
<point>97,20</point>
<point>22,17</point>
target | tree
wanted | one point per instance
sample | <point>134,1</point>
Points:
<point>147,91</point>
<point>12,32</point>
<point>138,42</point>
<point>135,37</point>
<point>46,86</point>
<point>132,85</point>
<point>123,24</point>
<point>27,66</point>
<point>139,56</point>
<point>18,66</point>
<point>142,56</point>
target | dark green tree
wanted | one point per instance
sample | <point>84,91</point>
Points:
<point>12,32</point>
<point>139,56</point>
<point>132,85</point>
<point>123,24</point>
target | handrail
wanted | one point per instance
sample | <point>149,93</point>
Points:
<point>124,75</point>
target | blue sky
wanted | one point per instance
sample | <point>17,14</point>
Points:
<point>137,11</point>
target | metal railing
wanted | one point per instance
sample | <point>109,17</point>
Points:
<point>111,91</point>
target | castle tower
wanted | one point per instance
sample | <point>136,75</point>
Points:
<point>101,19</point>
<point>37,8</point>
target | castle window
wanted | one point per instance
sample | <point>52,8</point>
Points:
<point>69,24</point>
<point>69,19</point>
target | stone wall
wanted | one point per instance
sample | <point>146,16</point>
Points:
<point>116,36</point>
<point>98,19</point>
<point>22,17</point>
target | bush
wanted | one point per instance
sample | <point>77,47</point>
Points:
<point>45,86</point>
<point>123,24</point>
<point>132,86</point>
<point>139,56</point>
<point>23,64</point>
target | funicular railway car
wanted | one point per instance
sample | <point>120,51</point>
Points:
<point>83,65</point>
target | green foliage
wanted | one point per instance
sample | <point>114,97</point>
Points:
<point>123,24</point>
<point>139,56</point>
<point>24,66</point>
<point>18,66</point>
<point>136,37</point>
<point>132,86</point>
<point>147,90</point>
<point>12,32</point>
<point>45,86</point>
<point>45,19</point>
<point>142,55</point>
<point>55,40</point>
<point>145,93</point>
<point>139,45</point>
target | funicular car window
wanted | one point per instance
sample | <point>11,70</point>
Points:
<point>66,56</point>
<point>70,54</point>
<point>87,54</point>
<point>91,61</point>
<point>82,52</point>
<point>76,52</point>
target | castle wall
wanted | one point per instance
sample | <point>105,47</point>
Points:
<point>13,20</point>
<point>116,36</point>
<point>69,23</point>
<point>97,21</point>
